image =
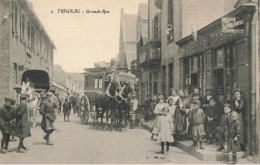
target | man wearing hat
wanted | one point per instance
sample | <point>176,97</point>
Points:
<point>6,116</point>
<point>49,116</point>
<point>205,99</point>
<point>22,129</point>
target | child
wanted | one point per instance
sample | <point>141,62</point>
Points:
<point>196,119</point>
<point>174,96</point>
<point>180,118</point>
<point>66,109</point>
<point>223,126</point>
<point>165,128</point>
<point>234,132</point>
<point>212,114</point>
<point>157,111</point>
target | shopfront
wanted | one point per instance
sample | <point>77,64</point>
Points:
<point>219,56</point>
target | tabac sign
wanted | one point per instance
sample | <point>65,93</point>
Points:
<point>232,25</point>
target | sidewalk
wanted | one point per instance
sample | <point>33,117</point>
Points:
<point>209,154</point>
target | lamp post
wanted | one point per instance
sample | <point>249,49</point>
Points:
<point>18,90</point>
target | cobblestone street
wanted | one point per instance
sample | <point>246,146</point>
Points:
<point>76,143</point>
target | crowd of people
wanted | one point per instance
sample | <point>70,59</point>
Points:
<point>189,115</point>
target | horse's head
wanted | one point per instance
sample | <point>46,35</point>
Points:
<point>114,86</point>
<point>125,91</point>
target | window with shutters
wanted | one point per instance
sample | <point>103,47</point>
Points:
<point>156,27</point>
<point>170,26</point>
<point>28,34</point>
<point>170,76</point>
<point>33,39</point>
<point>164,79</point>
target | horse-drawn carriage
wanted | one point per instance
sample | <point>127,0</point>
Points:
<point>109,96</point>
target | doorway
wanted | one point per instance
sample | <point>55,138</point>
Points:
<point>218,82</point>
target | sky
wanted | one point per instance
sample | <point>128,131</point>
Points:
<point>82,39</point>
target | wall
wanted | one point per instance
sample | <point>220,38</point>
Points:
<point>4,53</point>
<point>15,47</point>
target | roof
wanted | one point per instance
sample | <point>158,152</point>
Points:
<point>77,76</point>
<point>129,27</point>
<point>143,11</point>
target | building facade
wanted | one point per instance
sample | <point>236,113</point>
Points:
<point>149,51</point>
<point>223,56</point>
<point>62,81</point>
<point>24,45</point>
<point>78,82</point>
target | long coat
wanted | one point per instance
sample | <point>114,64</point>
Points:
<point>180,118</point>
<point>212,112</point>
<point>6,119</point>
<point>22,129</point>
<point>66,108</point>
<point>234,131</point>
<point>240,108</point>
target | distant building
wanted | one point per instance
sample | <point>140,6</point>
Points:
<point>78,82</point>
<point>24,45</point>
<point>127,41</point>
<point>62,81</point>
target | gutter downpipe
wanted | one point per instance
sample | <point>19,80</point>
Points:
<point>255,82</point>
<point>255,111</point>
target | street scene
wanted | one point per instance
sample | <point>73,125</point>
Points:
<point>129,82</point>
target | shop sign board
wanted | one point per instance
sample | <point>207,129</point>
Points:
<point>232,25</point>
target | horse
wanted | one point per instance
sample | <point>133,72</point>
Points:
<point>32,102</point>
<point>106,102</point>
<point>124,107</point>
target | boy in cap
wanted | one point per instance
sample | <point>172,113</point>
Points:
<point>212,114</point>
<point>196,119</point>
<point>6,115</point>
<point>49,116</point>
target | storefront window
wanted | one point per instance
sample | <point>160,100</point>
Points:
<point>219,57</point>
<point>209,60</point>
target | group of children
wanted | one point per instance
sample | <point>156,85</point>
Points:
<point>208,121</point>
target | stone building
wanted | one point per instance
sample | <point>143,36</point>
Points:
<point>24,45</point>
<point>127,41</point>
<point>178,19</point>
<point>62,81</point>
<point>78,82</point>
<point>148,50</point>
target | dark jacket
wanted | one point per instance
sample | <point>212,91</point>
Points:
<point>225,121</point>
<point>7,114</point>
<point>66,108</point>
<point>47,109</point>
<point>234,131</point>
<point>22,121</point>
<point>212,112</point>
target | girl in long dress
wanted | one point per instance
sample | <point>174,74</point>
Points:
<point>158,111</point>
<point>165,128</point>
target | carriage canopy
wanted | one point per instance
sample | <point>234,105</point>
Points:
<point>39,78</point>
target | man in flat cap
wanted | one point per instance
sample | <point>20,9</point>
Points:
<point>49,116</point>
<point>6,116</point>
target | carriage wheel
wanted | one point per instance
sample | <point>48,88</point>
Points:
<point>83,118</point>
